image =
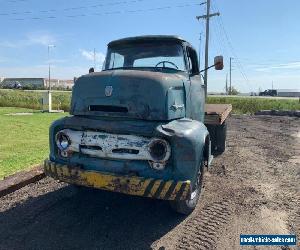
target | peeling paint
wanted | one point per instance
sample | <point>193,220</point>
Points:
<point>113,146</point>
<point>132,185</point>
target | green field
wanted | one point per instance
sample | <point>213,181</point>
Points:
<point>32,99</point>
<point>23,139</point>
<point>61,100</point>
<point>250,105</point>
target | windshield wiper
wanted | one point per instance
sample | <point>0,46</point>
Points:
<point>121,68</point>
<point>151,68</point>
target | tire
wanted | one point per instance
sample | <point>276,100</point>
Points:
<point>77,189</point>
<point>186,207</point>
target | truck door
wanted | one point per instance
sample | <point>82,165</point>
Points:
<point>197,91</point>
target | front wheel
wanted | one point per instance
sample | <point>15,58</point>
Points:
<point>78,189</point>
<point>186,207</point>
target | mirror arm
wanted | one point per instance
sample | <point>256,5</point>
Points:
<point>208,68</point>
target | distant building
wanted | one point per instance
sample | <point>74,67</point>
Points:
<point>35,83</point>
<point>1,79</point>
<point>57,83</point>
<point>288,92</point>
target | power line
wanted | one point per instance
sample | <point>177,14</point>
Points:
<point>73,8</point>
<point>239,64</point>
<point>216,42</point>
<point>17,1</point>
<point>221,40</point>
<point>207,18</point>
<point>216,31</point>
<point>201,44</point>
<point>108,13</point>
<point>234,53</point>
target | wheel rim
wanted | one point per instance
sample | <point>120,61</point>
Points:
<point>198,185</point>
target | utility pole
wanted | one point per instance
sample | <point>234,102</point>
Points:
<point>207,17</point>
<point>49,94</point>
<point>49,69</point>
<point>95,59</point>
<point>200,46</point>
<point>230,70</point>
<point>226,85</point>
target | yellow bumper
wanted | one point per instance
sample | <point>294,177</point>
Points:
<point>131,185</point>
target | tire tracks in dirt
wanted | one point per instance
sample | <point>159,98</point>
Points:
<point>201,230</point>
<point>254,187</point>
<point>239,198</point>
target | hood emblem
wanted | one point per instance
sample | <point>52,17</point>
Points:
<point>108,91</point>
<point>177,106</point>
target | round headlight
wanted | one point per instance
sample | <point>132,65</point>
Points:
<point>159,150</point>
<point>62,140</point>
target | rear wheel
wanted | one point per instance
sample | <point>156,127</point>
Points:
<point>186,207</point>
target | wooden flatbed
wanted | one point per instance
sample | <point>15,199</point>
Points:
<point>216,114</point>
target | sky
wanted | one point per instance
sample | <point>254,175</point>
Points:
<point>263,37</point>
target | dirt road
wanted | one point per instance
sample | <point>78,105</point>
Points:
<point>254,188</point>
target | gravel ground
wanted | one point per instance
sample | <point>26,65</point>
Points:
<point>253,188</point>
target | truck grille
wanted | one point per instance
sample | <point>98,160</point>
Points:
<point>105,108</point>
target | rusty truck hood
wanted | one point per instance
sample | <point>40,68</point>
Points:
<point>136,94</point>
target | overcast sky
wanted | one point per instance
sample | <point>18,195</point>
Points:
<point>262,36</point>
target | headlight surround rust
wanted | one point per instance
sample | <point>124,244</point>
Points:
<point>159,150</point>
<point>63,141</point>
<point>155,150</point>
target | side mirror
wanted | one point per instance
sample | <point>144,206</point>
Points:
<point>219,64</point>
<point>91,70</point>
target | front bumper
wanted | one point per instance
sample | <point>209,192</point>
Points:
<point>131,185</point>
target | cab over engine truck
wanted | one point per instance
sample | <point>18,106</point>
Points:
<point>140,126</point>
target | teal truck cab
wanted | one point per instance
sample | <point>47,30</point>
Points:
<point>138,127</point>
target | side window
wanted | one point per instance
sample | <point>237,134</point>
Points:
<point>193,61</point>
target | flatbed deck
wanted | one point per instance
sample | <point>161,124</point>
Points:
<point>216,114</point>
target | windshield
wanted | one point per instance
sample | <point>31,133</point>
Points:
<point>153,55</point>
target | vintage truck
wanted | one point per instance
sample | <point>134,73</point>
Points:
<point>139,127</point>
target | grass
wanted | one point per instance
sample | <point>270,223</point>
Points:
<point>32,99</point>
<point>61,100</point>
<point>23,139</point>
<point>249,105</point>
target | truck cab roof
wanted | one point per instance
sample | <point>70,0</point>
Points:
<point>149,38</point>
